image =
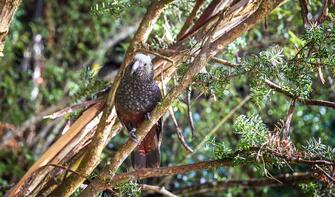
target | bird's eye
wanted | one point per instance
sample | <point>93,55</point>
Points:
<point>145,64</point>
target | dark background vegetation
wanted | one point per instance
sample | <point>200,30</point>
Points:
<point>73,44</point>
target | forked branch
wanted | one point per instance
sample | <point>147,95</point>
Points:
<point>207,52</point>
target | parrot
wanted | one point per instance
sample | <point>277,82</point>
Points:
<point>136,96</point>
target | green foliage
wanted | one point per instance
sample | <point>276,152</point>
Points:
<point>252,130</point>
<point>295,74</point>
<point>128,189</point>
<point>220,149</point>
<point>317,149</point>
<point>12,167</point>
<point>213,82</point>
<point>113,8</point>
<point>74,32</point>
<point>316,189</point>
<point>89,85</point>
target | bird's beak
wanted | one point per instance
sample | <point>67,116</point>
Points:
<point>135,66</point>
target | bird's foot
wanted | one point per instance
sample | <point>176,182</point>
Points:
<point>147,116</point>
<point>132,135</point>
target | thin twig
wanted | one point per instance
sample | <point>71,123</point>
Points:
<point>286,131</point>
<point>323,81</point>
<point>157,189</point>
<point>189,111</point>
<point>156,54</point>
<point>218,125</point>
<point>179,132</point>
<point>325,173</point>
<point>70,109</point>
<point>225,62</point>
<point>303,101</point>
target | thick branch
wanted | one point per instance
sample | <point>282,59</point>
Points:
<point>324,12</point>
<point>304,11</point>
<point>189,21</point>
<point>164,171</point>
<point>285,179</point>
<point>206,53</point>
<point>92,157</point>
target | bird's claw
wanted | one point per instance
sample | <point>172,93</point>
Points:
<point>147,116</point>
<point>132,135</point>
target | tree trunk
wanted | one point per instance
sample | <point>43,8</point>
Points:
<point>7,11</point>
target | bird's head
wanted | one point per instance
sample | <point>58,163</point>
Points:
<point>142,66</point>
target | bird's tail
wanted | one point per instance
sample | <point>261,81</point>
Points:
<point>147,154</point>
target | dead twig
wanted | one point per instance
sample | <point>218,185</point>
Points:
<point>325,173</point>
<point>71,109</point>
<point>224,62</point>
<point>157,189</point>
<point>156,54</point>
<point>65,168</point>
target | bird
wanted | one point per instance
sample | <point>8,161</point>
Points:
<point>135,98</point>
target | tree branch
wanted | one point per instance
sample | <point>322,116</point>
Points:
<point>303,101</point>
<point>189,21</point>
<point>165,171</point>
<point>218,125</point>
<point>157,189</point>
<point>207,52</point>
<point>285,179</point>
<point>179,132</point>
<point>304,12</point>
<point>92,156</point>
<point>286,132</point>
<point>324,12</point>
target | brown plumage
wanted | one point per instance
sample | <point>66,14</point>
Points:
<point>136,96</point>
